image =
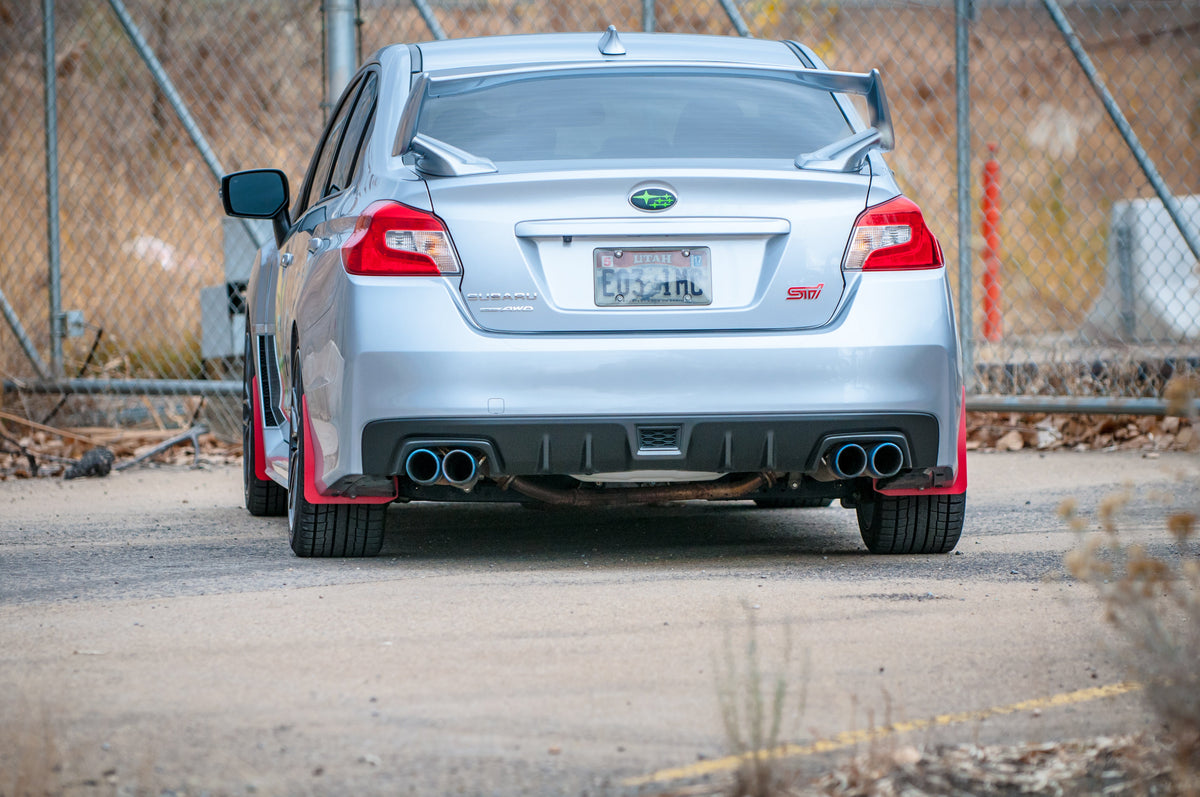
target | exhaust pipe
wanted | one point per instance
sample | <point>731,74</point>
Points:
<point>423,466</point>
<point>885,461</point>
<point>848,461</point>
<point>460,469</point>
<point>721,491</point>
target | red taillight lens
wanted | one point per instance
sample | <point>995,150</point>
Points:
<point>394,240</point>
<point>892,236</point>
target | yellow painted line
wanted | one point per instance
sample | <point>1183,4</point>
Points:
<point>851,738</point>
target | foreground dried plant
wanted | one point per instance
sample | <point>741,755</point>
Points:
<point>1154,602</point>
<point>753,703</point>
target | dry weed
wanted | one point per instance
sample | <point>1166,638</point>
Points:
<point>1153,599</point>
<point>754,702</point>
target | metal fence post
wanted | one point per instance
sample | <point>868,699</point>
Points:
<point>53,234</point>
<point>962,76</point>
<point>431,21</point>
<point>1118,118</point>
<point>648,16</point>
<point>14,323</point>
<point>185,117</point>
<point>735,16</point>
<point>340,59</point>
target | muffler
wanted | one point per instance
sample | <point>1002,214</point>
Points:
<point>423,466</point>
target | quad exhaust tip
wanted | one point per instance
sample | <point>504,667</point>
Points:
<point>423,466</point>
<point>849,461</point>
<point>460,468</point>
<point>885,461</point>
<point>879,461</point>
<point>457,467</point>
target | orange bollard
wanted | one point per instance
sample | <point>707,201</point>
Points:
<point>993,320</point>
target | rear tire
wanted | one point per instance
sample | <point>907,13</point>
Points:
<point>263,497</point>
<point>325,530</point>
<point>779,502</point>
<point>911,523</point>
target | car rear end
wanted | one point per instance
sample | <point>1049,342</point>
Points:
<point>622,286</point>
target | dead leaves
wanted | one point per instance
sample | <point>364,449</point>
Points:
<point>1125,765</point>
<point>1001,431</point>
<point>29,449</point>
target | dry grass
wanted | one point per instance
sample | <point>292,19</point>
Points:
<point>755,700</point>
<point>1153,599</point>
<point>1154,602</point>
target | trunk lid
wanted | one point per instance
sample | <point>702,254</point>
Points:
<point>568,251</point>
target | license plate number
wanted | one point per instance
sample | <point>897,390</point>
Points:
<point>653,277</point>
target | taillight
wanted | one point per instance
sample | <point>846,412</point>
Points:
<point>394,240</point>
<point>892,236</point>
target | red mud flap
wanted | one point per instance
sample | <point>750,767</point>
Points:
<point>311,493</point>
<point>960,475</point>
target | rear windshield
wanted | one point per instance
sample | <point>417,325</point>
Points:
<point>633,115</point>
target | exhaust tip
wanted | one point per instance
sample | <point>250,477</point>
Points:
<point>886,460</point>
<point>849,461</point>
<point>459,467</point>
<point>423,466</point>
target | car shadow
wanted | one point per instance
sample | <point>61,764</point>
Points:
<point>693,531</point>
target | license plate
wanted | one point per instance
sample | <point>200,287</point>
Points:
<point>653,277</point>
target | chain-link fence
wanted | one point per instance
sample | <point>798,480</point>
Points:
<point>1099,293</point>
<point>1084,287</point>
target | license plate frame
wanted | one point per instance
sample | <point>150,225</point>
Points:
<point>657,276</point>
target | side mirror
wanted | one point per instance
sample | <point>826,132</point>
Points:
<point>255,194</point>
<point>258,194</point>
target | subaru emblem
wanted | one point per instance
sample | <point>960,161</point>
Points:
<point>653,200</point>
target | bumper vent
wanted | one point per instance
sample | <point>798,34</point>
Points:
<point>268,380</point>
<point>658,439</point>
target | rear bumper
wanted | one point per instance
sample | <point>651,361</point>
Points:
<point>555,445</point>
<point>402,362</point>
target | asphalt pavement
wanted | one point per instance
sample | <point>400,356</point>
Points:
<point>155,636</point>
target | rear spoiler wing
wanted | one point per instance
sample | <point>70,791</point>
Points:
<point>845,155</point>
<point>848,154</point>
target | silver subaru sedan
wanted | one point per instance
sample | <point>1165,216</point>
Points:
<point>597,270</point>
